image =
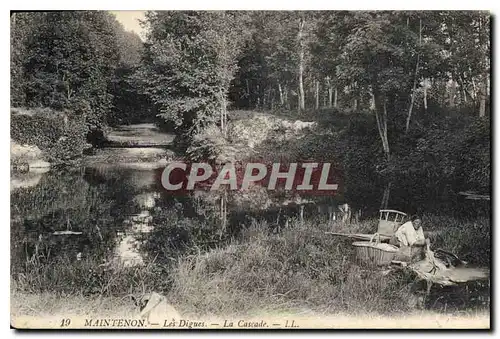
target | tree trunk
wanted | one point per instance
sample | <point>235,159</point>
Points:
<point>301,87</point>
<point>464,93</point>
<point>474,89</point>
<point>372,100</point>
<point>467,93</point>
<point>415,79</point>
<point>385,198</point>
<point>317,94</point>
<point>482,102</point>
<point>355,101</point>
<point>247,94</point>
<point>329,87</point>
<point>330,95</point>
<point>281,94</point>
<point>258,97</point>
<point>221,122</point>
<point>385,132</point>
<point>483,86</point>
<point>335,98</point>
<point>285,97</point>
<point>414,91</point>
<point>381,117</point>
<point>488,87</point>
<point>452,91</point>
<point>223,113</point>
<point>298,102</point>
<point>425,98</point>
<point>301,65</point>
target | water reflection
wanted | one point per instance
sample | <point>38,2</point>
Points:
<point>72,214</point>
<point>108,212</point>
<point>124,216</point>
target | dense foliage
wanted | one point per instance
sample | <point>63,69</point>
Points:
<point>189,62</point>
<point>60,135</point>
<point>78,61</point>
<point>401,67</point>
<point>406,69</point>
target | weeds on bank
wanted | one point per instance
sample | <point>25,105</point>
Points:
<point>89,276</point>
<point>469,240</point>
<point>299,269</point>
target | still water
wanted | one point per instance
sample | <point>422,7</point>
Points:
<point>109,212</point>
<point>124,216</point>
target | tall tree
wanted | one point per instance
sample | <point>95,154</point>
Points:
<point>22,26</point>
<point>325,52</point>
<point>376,56</point>
<point>130,104</point>
<point>190,60</point>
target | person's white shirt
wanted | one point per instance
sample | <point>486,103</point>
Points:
<point>407,235</point>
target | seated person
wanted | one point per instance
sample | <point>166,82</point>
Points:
<point>409,237</point>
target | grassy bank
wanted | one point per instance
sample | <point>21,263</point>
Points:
<point>301,267</point>
<point>298,270</point>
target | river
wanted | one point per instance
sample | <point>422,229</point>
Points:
<point>115,211</point>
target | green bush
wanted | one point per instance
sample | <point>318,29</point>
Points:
<point>211,145</point>
<point>59,134</point>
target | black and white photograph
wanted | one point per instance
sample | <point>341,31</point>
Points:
<point>250,169</point>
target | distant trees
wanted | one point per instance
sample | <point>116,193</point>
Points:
<point>317,57</point>
<point>276,59</point>
<point>386,62</point>
<point>66,60</point>
<point>130,104</point>
<point>465,37</point>
<point>195,64</point>
<point>21,28</point>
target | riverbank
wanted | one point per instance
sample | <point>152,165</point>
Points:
<point>240,263</point>
<point>298,269</point>
<point>45,137</point>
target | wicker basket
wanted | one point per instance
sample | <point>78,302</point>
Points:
<point>375,253</point>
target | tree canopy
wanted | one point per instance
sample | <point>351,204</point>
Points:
<point>67,60</point>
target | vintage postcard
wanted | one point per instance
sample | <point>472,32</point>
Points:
<point>250,169</point>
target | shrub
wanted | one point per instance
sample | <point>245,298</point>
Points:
<point>211,145</point>
<point>59,134</point>
<point>469,240</point>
